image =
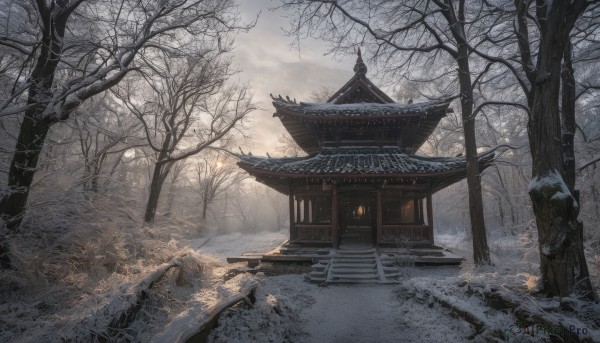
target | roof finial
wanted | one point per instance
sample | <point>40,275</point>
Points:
<point>360,67</point>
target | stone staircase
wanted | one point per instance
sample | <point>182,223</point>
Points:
<point>359,265</point>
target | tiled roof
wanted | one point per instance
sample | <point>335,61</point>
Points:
<point>355,160</point>
<point>363,109</point>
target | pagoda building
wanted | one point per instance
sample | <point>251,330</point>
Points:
<point>361,174</point>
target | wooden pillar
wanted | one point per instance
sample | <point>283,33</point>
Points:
<point>292,215</point>
<point>379,218</point>
<point>298,200</point>
<point>421,213</point>
<point>334,217</point>
<point>305,214</point>
<point>416,213</point>
<point>430,214</point>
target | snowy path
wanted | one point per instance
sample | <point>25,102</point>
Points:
<point>374,313</point>
<point>356,313</point>
<point>334,314</point>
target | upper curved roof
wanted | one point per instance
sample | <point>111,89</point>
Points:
<point>391,110</point>
<point>314,126</point>
<point>359,113</point>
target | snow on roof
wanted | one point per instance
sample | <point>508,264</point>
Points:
<point>356,160</point>
<point>363,109</point>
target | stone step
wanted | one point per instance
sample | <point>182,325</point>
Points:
<point>355,255</point>
<point>353,270</point>
<point>353,260</point>
<point>354,265</point>
<point>355,252</point>
<point>353,276</point>
<point>353,281</point>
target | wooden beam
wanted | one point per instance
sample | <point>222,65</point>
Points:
<point>306,217</point>
<point>417,187</point>
<point>292,215</point>
<point>430,215</point>
<point>416,210</point>
<point>421,217</point>
<point>355,187</point>
<point>379,217</point>
<point>334,217</point>
<point>311,210</point>
<point>298,200</point>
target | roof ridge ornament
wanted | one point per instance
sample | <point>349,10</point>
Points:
<point>286,100</point>
<point>360,67</point>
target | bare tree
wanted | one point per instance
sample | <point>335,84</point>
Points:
<point>73,50</point>
<point>185,107</point>
<point>178,170</point>
<point>422,30</point>
<point>552,190</point>
<point>216,173</point>
<point>543,70</point>
<point>103,131</point>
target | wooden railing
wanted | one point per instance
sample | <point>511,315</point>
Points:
<point>311,233</point>
<point>391,234</point>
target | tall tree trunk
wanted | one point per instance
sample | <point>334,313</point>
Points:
<point>36,123</point>
<point>563,265</point>
<point>204,209</point>
<point>96,170</point>
<point>568,116</point>
<point>22,169</point>
<point>481,252</point>
<point>20,177</point>
<point>161,170</point>
<point>456,20</point>
<point>596,201</point>
<point>500,210</point>
<point>4,253</point>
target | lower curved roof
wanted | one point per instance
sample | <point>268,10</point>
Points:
<point>349,162</point>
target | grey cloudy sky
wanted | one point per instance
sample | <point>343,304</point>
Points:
<point>271,66</point>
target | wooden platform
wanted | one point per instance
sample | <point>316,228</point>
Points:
<point>297,254</point>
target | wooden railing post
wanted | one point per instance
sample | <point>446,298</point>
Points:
<point>306,216</point>
<point>298,200</point>
<point>334,217</point>
<point>379,233</point>
<point>292,215</point>
<point>430,214</point>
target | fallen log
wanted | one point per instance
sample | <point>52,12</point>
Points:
<point>568,328</point>
<point>123,308</point>
<point>193,325</point>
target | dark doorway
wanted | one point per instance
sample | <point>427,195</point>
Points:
<point>357,219</point>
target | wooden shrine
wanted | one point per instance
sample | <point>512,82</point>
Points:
<point>361,173</point>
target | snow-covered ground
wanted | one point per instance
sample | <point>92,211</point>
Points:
<point>290,309</point>
<point>338,313</point>
<point>236,244</point>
